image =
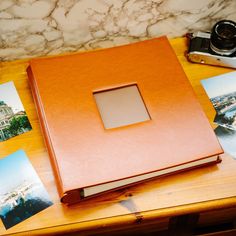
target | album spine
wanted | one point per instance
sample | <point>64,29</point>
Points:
<point>45,131</point>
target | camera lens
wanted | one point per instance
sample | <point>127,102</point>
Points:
<point>223,37</point>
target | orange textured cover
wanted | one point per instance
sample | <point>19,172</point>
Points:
<point>82,152</point>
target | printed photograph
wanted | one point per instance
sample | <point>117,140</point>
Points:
<point>222,93</point>
<point>22,193</point>
<point>227,138</point>
<point>13,118</point>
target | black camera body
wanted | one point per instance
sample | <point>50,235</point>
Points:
<point>217,47</point>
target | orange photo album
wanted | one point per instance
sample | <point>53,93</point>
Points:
<point>118,116</point>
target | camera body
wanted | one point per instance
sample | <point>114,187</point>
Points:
<point>214,48</point>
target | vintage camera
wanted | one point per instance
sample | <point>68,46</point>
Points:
<point>217,47</point>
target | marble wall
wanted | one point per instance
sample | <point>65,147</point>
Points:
<point>30,28</point>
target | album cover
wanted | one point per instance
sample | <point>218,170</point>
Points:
<point>22,193</point>
<point>121,131</point>
<point>13,118</point>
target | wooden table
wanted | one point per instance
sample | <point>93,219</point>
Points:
<point>205,190</point>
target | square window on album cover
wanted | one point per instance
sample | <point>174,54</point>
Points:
<point>121,106</point>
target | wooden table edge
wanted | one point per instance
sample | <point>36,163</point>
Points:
<point>131,219</point>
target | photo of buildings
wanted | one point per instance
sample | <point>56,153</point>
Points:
<point>22,193</point>
<point>225,106</point>
<point>222,93</point>
<point>13,118</point>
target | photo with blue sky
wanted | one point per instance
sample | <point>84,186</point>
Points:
<point>220,85</point>
<point>22,193</point>
<point>221,90</point>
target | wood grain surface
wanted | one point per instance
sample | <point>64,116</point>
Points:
<point>204,189</point>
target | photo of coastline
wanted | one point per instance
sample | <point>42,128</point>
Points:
<point>222,93</point>
<point>22,193</point>
<point>13,118</point>
<point>227,138</point>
